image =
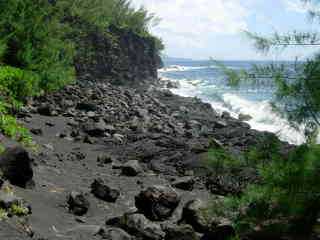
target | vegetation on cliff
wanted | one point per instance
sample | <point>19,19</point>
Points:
<point>38,43</point>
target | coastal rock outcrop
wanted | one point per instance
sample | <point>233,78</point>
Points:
<point>131,59</point>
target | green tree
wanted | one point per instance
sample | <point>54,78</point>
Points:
<point>33,40</point>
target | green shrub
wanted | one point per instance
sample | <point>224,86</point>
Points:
<point>18,210</point>
<point>287,199</point>
<point>221,160</point>
<point>17,83</point>
<point>11,128</point>
<point>3,214</point>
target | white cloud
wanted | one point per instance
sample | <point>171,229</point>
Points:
<point>189,21</point>
<point>198,17</point>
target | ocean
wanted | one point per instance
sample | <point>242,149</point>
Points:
<point>206,81</point>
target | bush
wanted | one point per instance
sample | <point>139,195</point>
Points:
<point>33,40</point>
<point>11,128</point>
<point>18,84</point>
<point>286,201</point>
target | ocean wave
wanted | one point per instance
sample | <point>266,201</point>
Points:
<point>264,118</point>
<point>188,88</point>
<point>178,68</point>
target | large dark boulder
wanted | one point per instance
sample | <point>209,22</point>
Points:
<point>157,203</point>
<point>15,165</point>
<point>131,168</point>
<point>78,204</point>
<point>100,190</point>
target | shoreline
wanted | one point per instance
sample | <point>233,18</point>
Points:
<point>164,136</point>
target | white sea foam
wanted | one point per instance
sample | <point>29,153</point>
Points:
<point>178,68</point>
<point>188,88</point>
<point>263,116</point>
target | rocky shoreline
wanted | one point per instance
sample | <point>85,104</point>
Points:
<point>120,163</point>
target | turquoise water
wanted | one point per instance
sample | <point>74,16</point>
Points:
<point>204,80</point>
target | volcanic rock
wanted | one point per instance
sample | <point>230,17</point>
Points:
<point>78,204</point>
<point>157,203</point>
<point>15,165</point>
<point>104,192</point>
<point>131,168</point>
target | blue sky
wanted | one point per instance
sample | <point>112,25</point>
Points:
<point>200,29</point>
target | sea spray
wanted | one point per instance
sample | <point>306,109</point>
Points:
<point>200,79</point>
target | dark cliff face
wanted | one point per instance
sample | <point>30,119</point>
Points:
<point>118,56</point>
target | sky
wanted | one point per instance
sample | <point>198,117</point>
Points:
<point>202,29</point>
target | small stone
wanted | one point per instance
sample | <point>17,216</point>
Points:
<point>244,117</point>
<point>105,159</point>
<point>88,139</point>
<point>220,124</point>
<point>110,129</point>
<point>226,115</point>
<point>115,234</point>
<point>182,232</point>
<point>48,146</point>
<point>142,226</point>
<point>73,123</point>
<point>95,129</point>
<point>104,192</point>
<point>86,106</point>
<point>36,131</point>
<point>131,168</point>
<point>45,110</point>
<point>50,124</point>
<point>91,114</point>
<point>78,204</point>
<point>184,183</point>
<point>119,138</point>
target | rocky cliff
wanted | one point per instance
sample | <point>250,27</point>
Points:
<point>119,56</point>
